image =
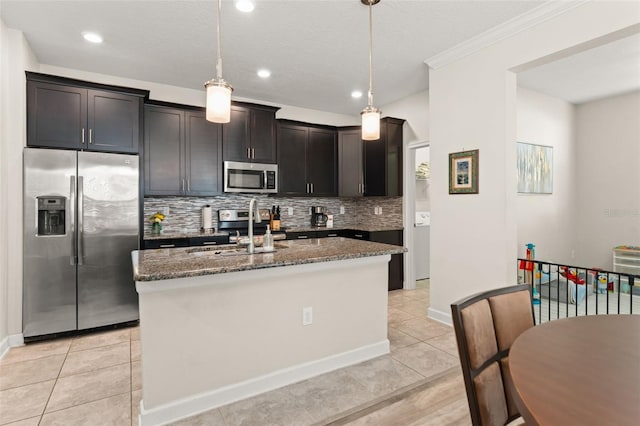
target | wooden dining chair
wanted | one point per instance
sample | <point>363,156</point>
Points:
<point>486,325</point>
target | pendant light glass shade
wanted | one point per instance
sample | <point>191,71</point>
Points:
<point>370,124</point>
<point>218,101</point>
<point>218,90</point>
<point>371,114</point>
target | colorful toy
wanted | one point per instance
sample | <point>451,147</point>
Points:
<point>603,285</point>
<point>531,266</point>
<point>571,275</point>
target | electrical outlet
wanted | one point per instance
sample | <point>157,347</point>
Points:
<point>290,211</point>
<point>165,210</point>
<point>341,209</point>
<point>307,315</point>
<point>379,210</point>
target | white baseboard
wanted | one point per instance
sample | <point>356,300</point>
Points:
<point>9,342</point>
<point>444,317</point>
<point>196,404</point>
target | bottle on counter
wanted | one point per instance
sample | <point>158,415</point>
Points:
<point>276,220</point>
<point>267,240</point>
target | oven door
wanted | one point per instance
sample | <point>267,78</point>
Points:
<point>250,177</point>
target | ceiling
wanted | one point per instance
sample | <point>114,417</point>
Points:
<point>317,50</point>
<point>606,70</point>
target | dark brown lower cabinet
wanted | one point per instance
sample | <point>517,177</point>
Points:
<point>396,267</point>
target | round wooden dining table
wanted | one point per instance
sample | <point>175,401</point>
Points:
<point>579,371</point>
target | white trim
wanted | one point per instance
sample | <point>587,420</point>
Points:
<point>9,342</point>
<point>533,17</point>
<point>443,317</point>
<point>408,208</point>
<point>196,404</point>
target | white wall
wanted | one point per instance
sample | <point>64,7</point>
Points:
<point>548,220</point>
<point>414,109</point>
<point>16,58</point>
<point>473,106</point>
<point>608,158</point>
<point>3,192</point>
<point>181,95</point>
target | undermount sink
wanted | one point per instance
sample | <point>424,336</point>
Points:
<point>232,250</point>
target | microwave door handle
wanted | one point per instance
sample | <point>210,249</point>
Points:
<point>264,181</point>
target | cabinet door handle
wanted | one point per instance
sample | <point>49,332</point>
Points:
<point>312,188</point>
<point>249,153</point>
<point>358,235</point>
<point>307,188</point>
<point>188,185</point>
<point>167,245</point>
<point>253,153</point>
<point>90,135</point>
<point>302,237</point>
<point>332,235</point>
<point>83,135</point>
<point>182,185</point>
<point>209,243</point>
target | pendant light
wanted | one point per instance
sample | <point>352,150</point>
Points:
<point>218,90</point>
<point>371,114</point>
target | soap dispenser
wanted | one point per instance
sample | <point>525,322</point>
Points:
<point>267,240</point>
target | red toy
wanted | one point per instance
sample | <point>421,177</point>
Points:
<point>571,275</point>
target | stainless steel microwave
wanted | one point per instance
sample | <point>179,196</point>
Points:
<point>250,177</point>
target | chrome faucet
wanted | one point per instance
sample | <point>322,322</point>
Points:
<point>252,203</point>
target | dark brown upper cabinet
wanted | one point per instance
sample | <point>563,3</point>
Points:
<point>350,162</point>
<point>307,159</point>
<point>182,152</point>
<point>250,136</point>
<point>66,113</point>
<point>383,160</point>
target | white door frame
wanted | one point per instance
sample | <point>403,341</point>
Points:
<point>409,210</point>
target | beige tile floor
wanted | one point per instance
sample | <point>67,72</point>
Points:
<point>95,380</point>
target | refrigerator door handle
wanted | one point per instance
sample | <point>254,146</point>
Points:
<point>80,220</point>
<point>72,221</point>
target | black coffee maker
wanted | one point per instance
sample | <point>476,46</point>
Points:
<point>318,216</point>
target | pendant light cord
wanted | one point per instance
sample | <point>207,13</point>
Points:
<point>219,62</point>
<point>370,53</point>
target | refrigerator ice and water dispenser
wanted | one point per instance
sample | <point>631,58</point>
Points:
<point>51,216</point>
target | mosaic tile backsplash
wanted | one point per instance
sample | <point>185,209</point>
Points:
<point>185,213</point>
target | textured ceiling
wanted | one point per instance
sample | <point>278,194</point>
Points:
<point>606,70</point>
<point>317,50</point>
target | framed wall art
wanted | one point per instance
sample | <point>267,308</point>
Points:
<point>463,172</point>
<point>535,168</point>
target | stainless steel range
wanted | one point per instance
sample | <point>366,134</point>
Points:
<point>236,222</point>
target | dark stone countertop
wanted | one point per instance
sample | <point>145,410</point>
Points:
<point>183,235</point>
<point>367,228</point>
<point>161,264</point>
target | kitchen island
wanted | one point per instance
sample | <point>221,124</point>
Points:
<point>218,325</point>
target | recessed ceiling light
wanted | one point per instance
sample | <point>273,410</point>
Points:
<point>92,37</point>
<point>245,5</point>
<point>356,94</point>
<point>263,73</point>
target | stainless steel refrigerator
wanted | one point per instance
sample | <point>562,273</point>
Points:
<point>81,218</point>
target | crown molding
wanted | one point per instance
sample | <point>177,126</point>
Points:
<point>535,16</point>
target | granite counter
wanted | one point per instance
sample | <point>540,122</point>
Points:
<point>162,264</point>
